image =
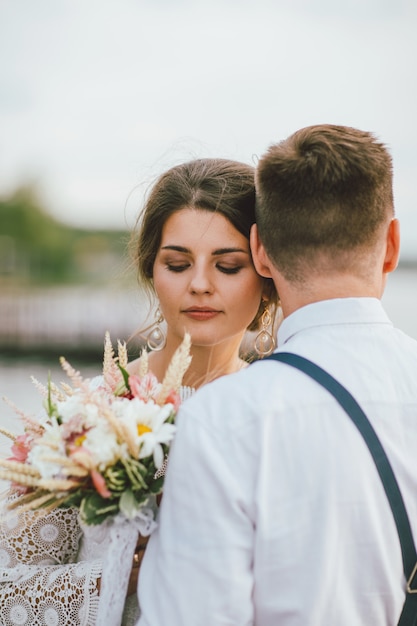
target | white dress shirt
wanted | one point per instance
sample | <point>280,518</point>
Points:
<point>273,513</point>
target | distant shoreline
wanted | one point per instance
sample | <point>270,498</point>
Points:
<point>88,355</point>
<point>47,323</point>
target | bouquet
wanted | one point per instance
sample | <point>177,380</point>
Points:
<point>101,442</point>
<point>99,447</point>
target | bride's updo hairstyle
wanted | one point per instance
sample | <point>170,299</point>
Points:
<point>218,185</point>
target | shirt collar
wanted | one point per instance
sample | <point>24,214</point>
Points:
<point>332,312</point>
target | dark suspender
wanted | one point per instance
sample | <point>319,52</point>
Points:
<point>348,403</point>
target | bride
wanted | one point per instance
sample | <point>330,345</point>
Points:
<point>192,253</point>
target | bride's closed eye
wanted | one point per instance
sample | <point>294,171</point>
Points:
<point>229,269</point>
<point>177,267</point>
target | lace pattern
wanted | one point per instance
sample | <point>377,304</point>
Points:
<point>38,539</point>
<point>50,595</point>
<point>40,582</point>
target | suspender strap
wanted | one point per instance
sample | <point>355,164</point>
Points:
<point>392,490</point>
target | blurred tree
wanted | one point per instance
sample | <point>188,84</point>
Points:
<point>37,249</point>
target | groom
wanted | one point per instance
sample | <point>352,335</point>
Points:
<point>273,512</point>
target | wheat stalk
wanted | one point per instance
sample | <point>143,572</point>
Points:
<point>24,499</point>
<point>73,375</point>
<point>25,480</point>
<point>56,503</point>
<point>132,446</point>
<point>59,460</point>
<point>16,466</point>
<point>43,390</point>
<point>38,501</point>
<point>32,426</point>
<point>179,364</point>
<point>115,424</point>
<point>33,480</point>
<point>111,372</point>
<point>67,389</point>
<point>108,358</point>
<point>8,434</point>
<point>122,354</point>
<point>57,484</point>
<point>122,433</point>
<point>68,465</point>
<point>83,459</point>
<point>75,470</point>
<point>143,364</point>
<point>14,407</point>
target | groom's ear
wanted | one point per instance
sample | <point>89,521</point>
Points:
<point>392,252</point>
<point>260,258</point>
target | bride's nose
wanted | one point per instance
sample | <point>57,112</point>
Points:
<point>201,281</point>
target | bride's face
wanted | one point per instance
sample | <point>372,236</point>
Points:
<point>205,279</point>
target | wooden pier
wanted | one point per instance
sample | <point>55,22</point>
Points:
<point>68,319</point>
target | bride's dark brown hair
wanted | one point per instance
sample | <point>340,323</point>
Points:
<point>218,185</point>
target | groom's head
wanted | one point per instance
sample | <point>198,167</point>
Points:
<point>324,200</point>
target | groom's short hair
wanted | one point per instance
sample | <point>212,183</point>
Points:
<point>325,193</point>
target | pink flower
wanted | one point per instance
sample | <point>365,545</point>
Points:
<point>21,448</point>
<point>100,484</point>
<point>19,489</point>
<point>143,388</point>
<point>174,398</point>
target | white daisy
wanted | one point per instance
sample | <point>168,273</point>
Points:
<point>147,424</point>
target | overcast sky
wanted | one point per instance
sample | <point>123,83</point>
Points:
<point>97,97</point>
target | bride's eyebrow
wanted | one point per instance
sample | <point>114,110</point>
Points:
<point>218,252</point>
<point>228,251</point>
<point>176,248</point>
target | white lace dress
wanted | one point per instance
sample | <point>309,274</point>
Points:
<point>49,568</point>
<point>40,581</point>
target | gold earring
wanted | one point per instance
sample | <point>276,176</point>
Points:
<point>156,337</point>
<point>264,341</point>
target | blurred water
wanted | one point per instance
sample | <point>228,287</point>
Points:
<point>400,301</point>
<point>17,386</point>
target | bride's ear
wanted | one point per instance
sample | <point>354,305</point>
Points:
<point>260,258</point>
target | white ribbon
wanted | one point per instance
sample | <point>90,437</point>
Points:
<point>117,562</point>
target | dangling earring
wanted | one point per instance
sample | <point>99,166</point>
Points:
<point>264,341</point>
<point>156,337</point>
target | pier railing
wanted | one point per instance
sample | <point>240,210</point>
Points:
<point>74,318</point>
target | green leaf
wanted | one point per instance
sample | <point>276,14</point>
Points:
<point>116,478</point>
<point>141,497</point>
<point>135,471</point>
<point>125,375</point>
<point>94,509</point>
<point>50,407</point>
<point>156,486</point>
<point>129,506</point>
<point>73,500</point>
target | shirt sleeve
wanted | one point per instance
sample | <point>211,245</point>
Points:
<point>199,560</point>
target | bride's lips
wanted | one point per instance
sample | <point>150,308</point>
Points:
<point>201,313</point>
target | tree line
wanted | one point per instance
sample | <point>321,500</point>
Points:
<point>37,249</point>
